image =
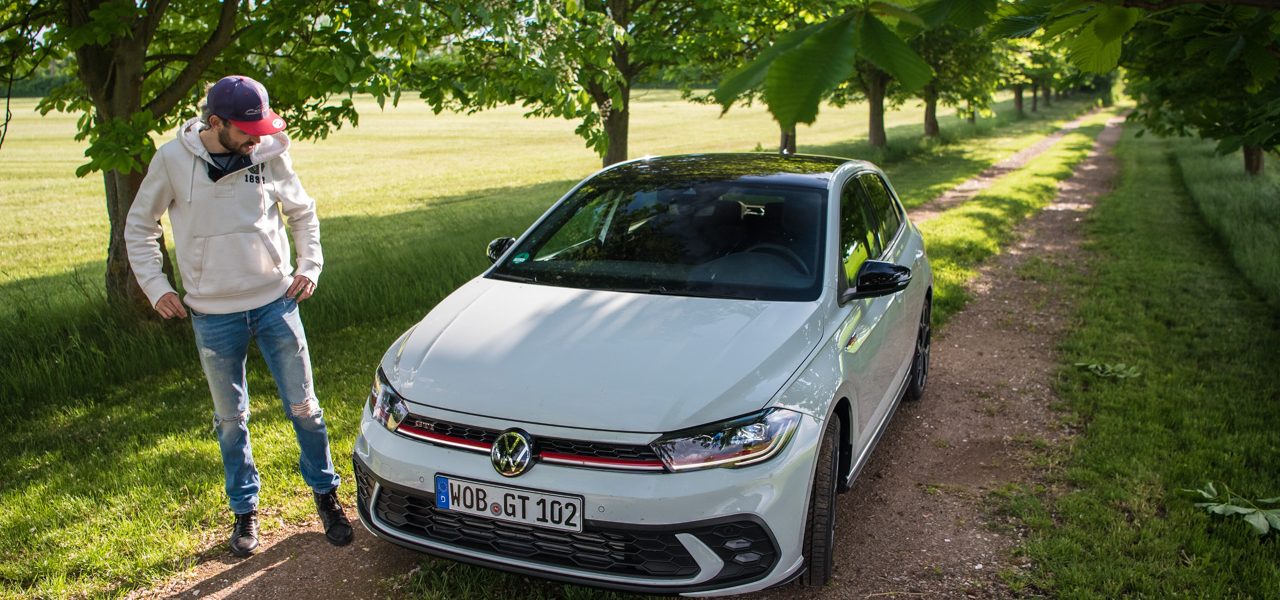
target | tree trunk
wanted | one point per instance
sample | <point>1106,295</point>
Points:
<point>113,75</point>
<point>876,83</point>
<point>1035,97</point>
<point>973,114</point>
<point>1017,100</point>
<point>931,128</point>
<point>787,144</point>
<point>123,290</point>
<point>617,123</point>
<point>1253,160</point>
<point>1048,95</point>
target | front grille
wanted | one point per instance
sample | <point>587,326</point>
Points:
<point>618,551</point>
<point>577,448</point>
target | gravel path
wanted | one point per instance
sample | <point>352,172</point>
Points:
<point>963,192</point>
<point>916,523</point>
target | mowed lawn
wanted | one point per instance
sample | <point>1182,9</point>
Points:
<point>112,478</point>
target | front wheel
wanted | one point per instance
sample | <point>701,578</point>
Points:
<point>820,531</point>
<point>920,361</point>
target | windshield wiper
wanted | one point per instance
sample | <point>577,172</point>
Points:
<point>515,278</point>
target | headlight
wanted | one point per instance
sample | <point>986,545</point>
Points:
<point>734,443</point>
<point>387,407</point>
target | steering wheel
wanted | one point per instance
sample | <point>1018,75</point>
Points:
<point>782,251</point>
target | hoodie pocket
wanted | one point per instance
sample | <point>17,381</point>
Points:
<point>237,262</point>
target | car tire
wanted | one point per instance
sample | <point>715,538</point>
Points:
<point>920,361</point>
<point>820,530</point>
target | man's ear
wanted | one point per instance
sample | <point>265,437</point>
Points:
<point>216,122</point>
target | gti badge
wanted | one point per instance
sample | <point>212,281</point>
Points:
<point>512,453</point>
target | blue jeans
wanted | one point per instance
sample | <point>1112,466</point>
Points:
<point>223,341</point>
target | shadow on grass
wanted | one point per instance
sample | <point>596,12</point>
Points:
<point>358,570</point>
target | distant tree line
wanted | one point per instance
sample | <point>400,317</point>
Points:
<point>139,67</point>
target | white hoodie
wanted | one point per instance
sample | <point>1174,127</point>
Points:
<point>229,235</point>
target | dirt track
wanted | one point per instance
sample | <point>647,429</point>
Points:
<point>916,523</point>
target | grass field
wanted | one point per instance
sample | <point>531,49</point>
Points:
<point>1243,210</point>
<point>1162,295</point>
<point>112,476</point>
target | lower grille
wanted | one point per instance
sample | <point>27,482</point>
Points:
<point>618,551</point>
<point>744,544</point>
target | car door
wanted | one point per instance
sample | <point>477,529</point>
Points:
<point>891,231</point>
<point>868,360</point>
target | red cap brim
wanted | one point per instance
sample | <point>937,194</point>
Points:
<point>270,123</point>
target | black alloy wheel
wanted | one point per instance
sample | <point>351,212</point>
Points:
<point>920,362</point>
<point>820,530</point>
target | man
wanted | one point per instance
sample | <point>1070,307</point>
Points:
<point>225,181</point>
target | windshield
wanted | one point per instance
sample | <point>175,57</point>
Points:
<point>724,239</point>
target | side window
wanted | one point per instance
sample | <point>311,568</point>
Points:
<point>857,238</point>
<point>882,205</point>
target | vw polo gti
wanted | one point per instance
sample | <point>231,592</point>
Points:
<point>660,386</point>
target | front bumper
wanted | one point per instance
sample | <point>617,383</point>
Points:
<point>711,532</point>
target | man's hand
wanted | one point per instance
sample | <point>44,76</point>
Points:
<point>301,289</point>
<point>169,306</point>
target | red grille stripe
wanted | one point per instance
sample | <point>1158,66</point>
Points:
<point>617,463</point>
<point>443,439</point>
<point>575,459</point>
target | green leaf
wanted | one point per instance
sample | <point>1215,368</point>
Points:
<point>1203,493</point>
<point>892,55</point>
<point>1263,66</point>
<point>1017,26</point>
<point>752,74</point>
<point>936,12</point>
<point>897,12</point>
<point>1259,523</point>
<point>1090,54</point>
<point>964,14</point>
<point>1067,23</point>
<point>1057,9</point>
<point>1113,22</point>
<point>1273,518</point>
<point>795,83</point>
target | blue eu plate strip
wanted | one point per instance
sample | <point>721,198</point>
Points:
<point>442,492</point>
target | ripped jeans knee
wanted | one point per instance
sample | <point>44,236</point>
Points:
<point>230,423</point>
<point>307,414</point>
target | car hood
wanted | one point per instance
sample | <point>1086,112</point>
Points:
<point>600,360</point>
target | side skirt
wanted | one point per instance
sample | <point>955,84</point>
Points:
<point>856,467</point>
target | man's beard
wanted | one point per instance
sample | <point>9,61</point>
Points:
<point>224,138</point>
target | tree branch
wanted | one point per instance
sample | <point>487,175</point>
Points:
<point>155,11</point>
<point>27,18</point>
<point>219,39</point>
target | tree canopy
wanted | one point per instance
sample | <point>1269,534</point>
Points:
<point>574,60</point>
<point>140,65</point>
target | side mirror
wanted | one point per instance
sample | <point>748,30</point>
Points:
<point>498,247</point>
<point>878,278</point>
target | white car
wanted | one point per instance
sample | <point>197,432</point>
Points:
<point>662,384</point>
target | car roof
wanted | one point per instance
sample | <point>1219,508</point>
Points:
<point>760,168</point>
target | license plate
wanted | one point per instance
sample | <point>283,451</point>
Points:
<point>503,503</point>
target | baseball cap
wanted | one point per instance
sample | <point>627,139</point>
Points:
<point>244,103</point>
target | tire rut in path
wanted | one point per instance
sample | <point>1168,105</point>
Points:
<point>917,522</point>
<point>967,190</point>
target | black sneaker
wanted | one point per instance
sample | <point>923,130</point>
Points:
<point>244,534</point>
<point>337,529</point>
